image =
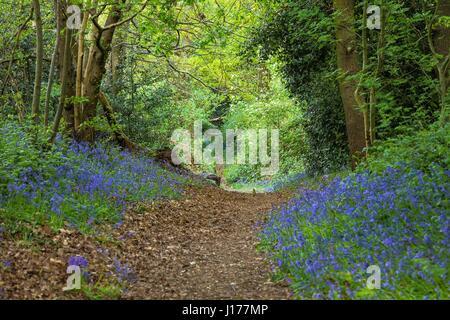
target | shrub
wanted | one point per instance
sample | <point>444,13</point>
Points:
<point>274,110</point>
<point>417,151</point>
<point>298,34</point>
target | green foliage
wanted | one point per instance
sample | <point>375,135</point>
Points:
<point>401,69</point>
<point>273,110</point>
<point>147,113</point>
<point>419,151</point>
<point>300,36</point>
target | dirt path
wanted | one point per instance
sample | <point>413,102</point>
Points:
<point>201,246</point>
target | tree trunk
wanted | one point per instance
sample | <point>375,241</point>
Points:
<point>96,68</point>
<point>39,58</point>
<point>69,73</point>
<point>442,47</point>
<point>347,61</point>
<point>52,66</point>
<point>64,84</point>
<point>79,75</point>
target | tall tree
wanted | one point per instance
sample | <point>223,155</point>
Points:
<point>66,54</point>
<point>440,47</point>
<point>101,39</point>
<point>96,66</point>
<point>39,58</point>
<point>52,66</point>
<point>347,61</point>
<point>69,71</point>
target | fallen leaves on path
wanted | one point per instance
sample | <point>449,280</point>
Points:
<point>201,246</point>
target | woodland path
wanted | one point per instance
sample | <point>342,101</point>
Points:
<point>201,246</point>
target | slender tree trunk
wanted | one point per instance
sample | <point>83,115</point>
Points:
<point>442,47</point>
<point>64,84</point>
<point>347,61</point>
<point>69,73</point>
<point>79,75</point>
<point>118,56</point>
<point>51,72</point>
<point>39,58</point>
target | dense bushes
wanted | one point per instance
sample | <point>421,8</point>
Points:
<point>152,111</point>
<point>73,183</point>
<point>395,217</point>
<point>400,70</point>
<point>299,35</point>
<point>417,151</point>
<point>272,110</point>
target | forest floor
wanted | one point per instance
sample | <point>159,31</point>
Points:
<point>200,246</point>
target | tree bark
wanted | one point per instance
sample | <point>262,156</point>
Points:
<point>52,66</point>
<point>79,75</point>
<point>64,84</point>
<point>347,61</point>
<point>442,48</point>
<point>39,58</point>
<point>96,67</point>
<point>69,72</point>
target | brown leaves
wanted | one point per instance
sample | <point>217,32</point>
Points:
<point>200,246</point>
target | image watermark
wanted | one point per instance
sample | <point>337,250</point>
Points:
<point>374,17</point>
<point>74,280</point>
<point>237,143</point>
<point>374,281</point>
<point>74,17</point>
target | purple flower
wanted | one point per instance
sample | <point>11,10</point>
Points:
<point>123,272</point>
<point>397,220</point>
<point>78,261</point>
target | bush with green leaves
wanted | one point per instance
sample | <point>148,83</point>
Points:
<point>400,69</point>
<point>273,110</point>
<point>418,151</point>
<point>300,36</point>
